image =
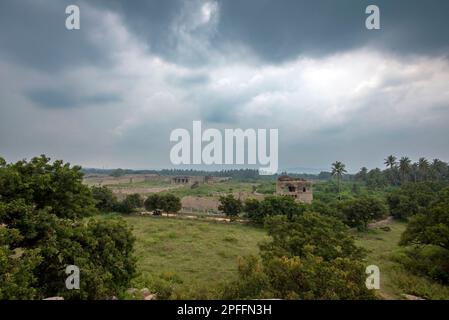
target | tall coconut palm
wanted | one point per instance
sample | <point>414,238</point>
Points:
<point>404,167</point>
<point>390,161</point>
<point>338,170</point>
<point>423,166</point>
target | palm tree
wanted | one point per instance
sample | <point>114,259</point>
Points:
<point>438,169</point>
<point>404,167</point>
<point>338,170</point>
<point>390,161</point>
<point>423,166</point>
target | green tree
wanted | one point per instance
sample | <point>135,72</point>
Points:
<point>253,211</point>
<point>404,168</point>
<point>230,206</point>
<point>376,180</point>
<point>117,173</point>
<point>431,226</point>
<point>361,175</point>
<point>423,167</point>
<point>44,209</point>
<point>280,205</point>
<point>17,279</point>
<point>338,170</point>
<point>56,186</point>
<point>411,198</point>
<point>428,232</point>
<point>390,161</point>
<point>133,202</point>
<point>163,202</point>
<point>105,200</point>
<point>172,203</point>
<point>309,257</point>
<point>359,212</point>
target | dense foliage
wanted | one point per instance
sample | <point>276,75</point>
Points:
<point>428,231</point>
<point>44,226</point>
<point>309,257</point>
<point>230,206</point>
<point>164,202</point>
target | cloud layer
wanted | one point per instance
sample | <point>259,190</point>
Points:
<point>109,94</point>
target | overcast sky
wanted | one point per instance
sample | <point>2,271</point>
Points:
<point>108,95</point>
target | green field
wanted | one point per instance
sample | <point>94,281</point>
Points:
<point>395,281</point>
<point>202,254</point>
<point>213,189</point>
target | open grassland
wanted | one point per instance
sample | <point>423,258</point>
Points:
<point>395,281</point>
<point>195,257</point>
<point>214,189</point>
<point>200,254</point>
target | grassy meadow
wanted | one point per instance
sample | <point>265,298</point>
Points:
<point>395,281</point>
<point>195,257</point>
<point>191,254</point>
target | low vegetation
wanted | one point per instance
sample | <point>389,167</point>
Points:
<point>273,246</point>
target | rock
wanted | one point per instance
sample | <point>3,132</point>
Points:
<point>114,298</point>
<point>150,297</point>
<point>54,298</point>
<point>145,292</point>
<point>412,297</point>
<point>131,291</point>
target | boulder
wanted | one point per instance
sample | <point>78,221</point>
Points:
<point>411,297</point>
<point>145,292</point>
<point>150,297</point>
<point>54,298</point>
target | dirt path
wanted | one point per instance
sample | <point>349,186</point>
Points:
<point>190,216</point>
<point>381,223</point>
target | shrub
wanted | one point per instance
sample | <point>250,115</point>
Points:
<point>360,211</point>
<point>163,202</point>
<point>44,227</point>
<point>309,257</point>
<point>105,200</point>
<point>230,206</point>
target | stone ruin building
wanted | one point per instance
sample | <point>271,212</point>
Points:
<point>299,189</point>
<point>196,180</point>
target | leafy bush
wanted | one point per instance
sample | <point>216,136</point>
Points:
<point>257,211</point>
<point>430,231</point>
<point>360,211</point>
<point>310,257</point>
<point>411,198</point>
<point>105,200</point>
<point>230,206</point>
<point>163,202</point>
<point>43,228</point>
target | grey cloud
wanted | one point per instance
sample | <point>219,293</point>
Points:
<point>280,30</point>
<point>61,99</point>
<point>33,33</point>
<point>252,41</point>
<point>277,31</point>
<point>198,79</point>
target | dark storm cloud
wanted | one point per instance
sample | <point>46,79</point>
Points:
<point>156,65</point>
<point>33,34</point>
<point>61,99</point>
<point>281,30</point>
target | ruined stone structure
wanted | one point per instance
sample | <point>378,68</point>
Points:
<point>182,180</point>
<point>299,189</point>
<point>191,180</point>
